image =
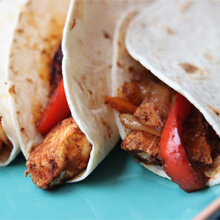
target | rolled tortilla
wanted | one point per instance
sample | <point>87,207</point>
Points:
<point>171,40</point>
<point>37,35</point>
<point>9,145</point>
<point>87,49</point>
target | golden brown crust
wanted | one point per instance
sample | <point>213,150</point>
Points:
<point>144,147</point>
<point>63,153</point>
<point>148,114</point>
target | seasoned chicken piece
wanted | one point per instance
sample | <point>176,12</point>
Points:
<point>63,153</point>
<point>144,147</point>
<point>195,139</point>
<point>147,114</point>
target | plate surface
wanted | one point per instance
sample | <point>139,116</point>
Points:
<point>118,189</point>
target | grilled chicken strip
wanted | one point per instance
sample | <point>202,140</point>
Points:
<point>63,153</point>
<point>144,147</point>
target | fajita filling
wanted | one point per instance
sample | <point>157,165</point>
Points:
<point>144,104</point>
<point>65,150</point>
<point>5,145</point>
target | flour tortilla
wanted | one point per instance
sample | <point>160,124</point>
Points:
<point>87,49</point>
<point>178,42</point>
<point>37,35</point>
<point>9,10</point>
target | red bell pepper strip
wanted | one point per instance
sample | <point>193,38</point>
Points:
<point>57,109</point>
<point>176,164</point>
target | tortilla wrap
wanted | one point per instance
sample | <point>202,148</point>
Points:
<point>87,49</point>
<point>37,34</point>
<point>168,38</point>
<point>8,138</point>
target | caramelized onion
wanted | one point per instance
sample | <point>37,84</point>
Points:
<point>130,122</point>
<point>161,97</point>
<point>120,104</point>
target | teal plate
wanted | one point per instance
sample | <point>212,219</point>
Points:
<point>118,189</point>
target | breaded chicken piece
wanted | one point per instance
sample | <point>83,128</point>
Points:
<point>63,153</point>
<point>144,147</point>
<point>148,114</point>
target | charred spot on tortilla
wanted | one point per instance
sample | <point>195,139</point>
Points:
<point>54,21</point>
<point>186,6</point>
<point>14,41</point>
<point>31,19</point>
<point>209,57</point>
<point>11,67</point>
<point>11,90</point>
<point>44,52</point>
<point>46,39</point>
<point>81,43</point>
<point>84,77</point>
<point>11,54</point>
<point>19,31</point>
<point>217,112</point>
<point>106,34</point>
<point>189,68</point>
<point>119,43</point>
<point>36,110</point>
<point>119,64</point>
<point>34,47</point>
<point>169,30</point>
<point>72,24</point>
<point>22,130</point>
<point>44,66</point>
<point>54,36</point>
<point>79,84</point>
<point>90,91</point>
<point>131,69</point>
<point>29,80</point>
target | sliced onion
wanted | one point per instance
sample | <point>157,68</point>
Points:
<point>132,123</point>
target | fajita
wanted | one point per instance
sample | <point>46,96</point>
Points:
<point>173,136</point>
<point>76,85</point>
